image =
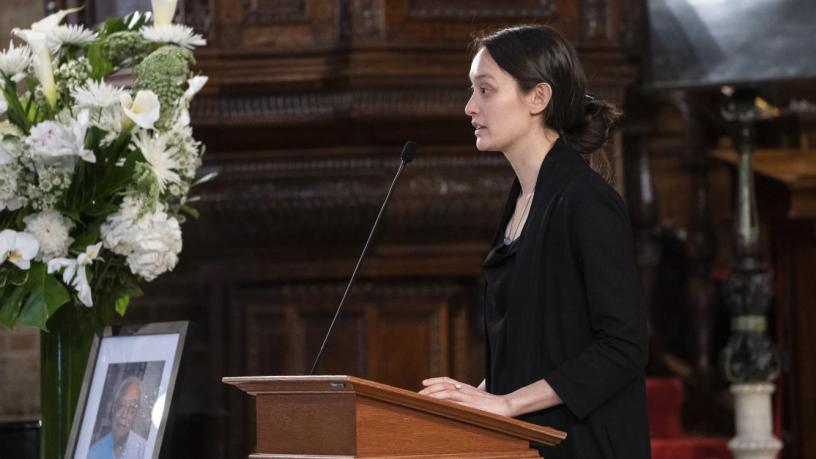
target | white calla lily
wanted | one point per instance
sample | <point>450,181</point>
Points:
<point>163,11</point>
<point>42,62</point>
<point>144,110</point>
<point>50,22</point>
<point>18,248</point>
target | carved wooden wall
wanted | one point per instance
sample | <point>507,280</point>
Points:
<point>308,105</point>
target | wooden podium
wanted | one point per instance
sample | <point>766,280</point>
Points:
<point>347,417</point>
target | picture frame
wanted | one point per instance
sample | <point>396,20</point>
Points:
<point>127,390</point>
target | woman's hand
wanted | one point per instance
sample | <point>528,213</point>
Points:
<point>445,388</point>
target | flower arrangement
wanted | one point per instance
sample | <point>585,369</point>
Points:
<point>94,178</point>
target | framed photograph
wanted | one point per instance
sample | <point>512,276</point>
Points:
<point>125,397</point>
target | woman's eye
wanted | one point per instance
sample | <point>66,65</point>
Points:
<point>482,89</point>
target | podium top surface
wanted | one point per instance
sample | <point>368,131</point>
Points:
<point>335,384</point>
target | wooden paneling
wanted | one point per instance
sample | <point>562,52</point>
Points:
<point>400,338</point>
<point>304,115</point>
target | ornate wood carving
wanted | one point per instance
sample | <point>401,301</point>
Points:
<point>307,106</point>
<point>480,9</point>
<point>196,14</point>
<point>329,105</point>
<point>274,11</point>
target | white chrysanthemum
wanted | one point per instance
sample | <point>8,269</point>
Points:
<point>14,62</point>
<point>111,120</point>
<point>97,94</point>
<point>69,35</point>
<point>160,157</point>
<point>150,241</point>
<point>177,34</point>
<point>57,143</point>
<point>52,231</point>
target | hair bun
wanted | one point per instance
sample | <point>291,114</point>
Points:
<point>591,136</point>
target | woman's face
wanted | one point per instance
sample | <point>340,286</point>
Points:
<point>498,110</point>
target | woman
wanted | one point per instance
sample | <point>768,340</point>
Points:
<point>566,337</point>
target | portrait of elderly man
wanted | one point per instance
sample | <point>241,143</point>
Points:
<point>122,442</point>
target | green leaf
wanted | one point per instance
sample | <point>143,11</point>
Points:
<point>4,274</point>
<point>47,295</point>
<point>112,25</point>
<point>85,239</point>
<point>122,304</point>
<point>10,305</point>
<point>101,209</point>
<point>17,277</point>
<point>190,211</point>
<point>55,294</point>
<point>136,19</point>
<point>34,312</point>
<point>100,65</point>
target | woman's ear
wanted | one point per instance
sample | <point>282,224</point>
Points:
<point>539,98</point>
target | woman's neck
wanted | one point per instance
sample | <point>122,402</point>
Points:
<point>527,155</point>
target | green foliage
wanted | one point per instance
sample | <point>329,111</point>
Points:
<point>162,72</point>
<point>34,300</point>
<point>125,47</point>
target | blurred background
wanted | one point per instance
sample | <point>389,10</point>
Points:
<point>307,107</point>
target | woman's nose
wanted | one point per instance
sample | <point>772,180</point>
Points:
<point>470,107</point>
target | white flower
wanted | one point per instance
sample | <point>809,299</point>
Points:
<point>47,24</point>
<point>111,120</point>
<point>3,104</point>
<point>14,61</point>
<point>75,274</point>
<point>9,150</point>
<point>10,196</point>
<point>194,85</point>
<point>163,11</point>
<point>53,142</point>
<point>144,110</point>
<point>150,241</point>
<point>177,34</point>
<point>51,229</point>
<point>18,248</point>
<point>69,35</point>
<point>159,156</point>
<point>42,62</point>
<point>97,94</point>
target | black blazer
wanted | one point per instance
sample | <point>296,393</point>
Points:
<point>575,314</point>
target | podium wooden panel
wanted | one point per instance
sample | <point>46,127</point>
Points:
<point>348,417</point>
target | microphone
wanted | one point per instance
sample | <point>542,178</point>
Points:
<point>408,153</point>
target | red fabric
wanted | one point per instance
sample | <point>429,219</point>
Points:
<point>665,396</point>
<point>690,448</point>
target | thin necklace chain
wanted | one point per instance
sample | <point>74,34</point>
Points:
<point>513,235</point>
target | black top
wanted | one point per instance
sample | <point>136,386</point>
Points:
<point>563,303</point>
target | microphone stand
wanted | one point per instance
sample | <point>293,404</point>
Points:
<point>408,152</point>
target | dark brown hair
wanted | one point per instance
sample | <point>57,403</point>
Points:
<point>534,54</point>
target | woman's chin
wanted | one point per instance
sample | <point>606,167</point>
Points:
<point>483,145</point>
